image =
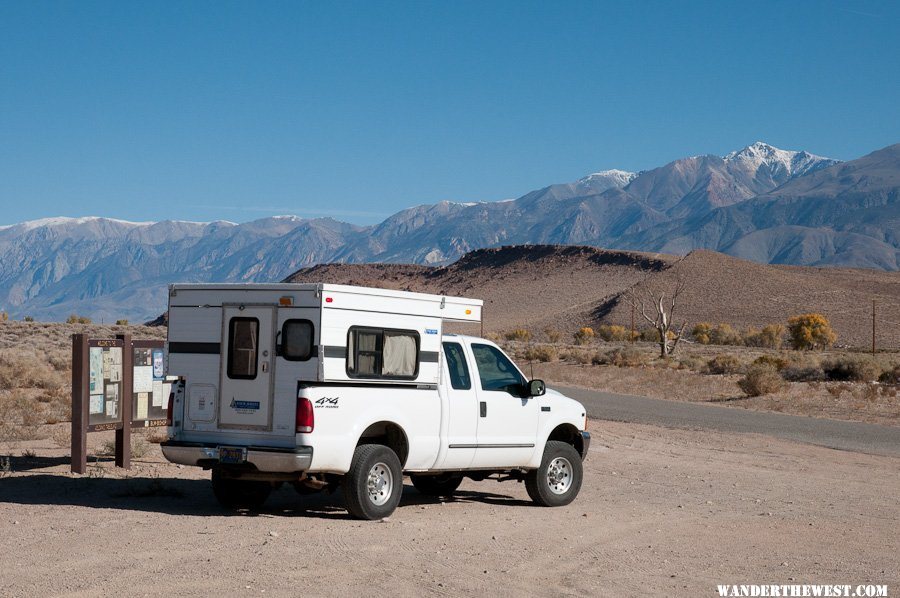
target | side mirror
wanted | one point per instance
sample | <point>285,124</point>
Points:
<point>536,388</point>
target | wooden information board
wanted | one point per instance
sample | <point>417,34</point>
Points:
<point>117,384</point>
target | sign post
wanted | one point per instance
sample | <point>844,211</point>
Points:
<point>79,403</point>
<point>123,434</point>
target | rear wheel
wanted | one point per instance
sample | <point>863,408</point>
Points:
<point>373,486</point>
<point>436,485</point>
<point>557,481</point>
<point>234,493</point>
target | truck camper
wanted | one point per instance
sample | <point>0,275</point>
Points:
<point>341,387</point>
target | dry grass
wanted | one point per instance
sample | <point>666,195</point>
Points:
<point>35,375</point>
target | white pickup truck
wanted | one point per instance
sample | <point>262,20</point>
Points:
<point>329,386</point>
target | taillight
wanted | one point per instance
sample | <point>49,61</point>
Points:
<point>169,408</point>
<point>306,421</point>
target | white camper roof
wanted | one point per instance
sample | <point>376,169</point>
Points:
<point>339,297</point>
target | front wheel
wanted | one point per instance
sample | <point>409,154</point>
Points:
<point>557,481</point>
<point>374,483</point>
<point>234,493</point>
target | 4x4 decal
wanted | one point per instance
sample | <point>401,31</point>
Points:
<point>327,402</point>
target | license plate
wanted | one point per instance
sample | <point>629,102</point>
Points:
<point>231,454</point>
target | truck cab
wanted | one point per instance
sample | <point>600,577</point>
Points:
<point>332,387</point>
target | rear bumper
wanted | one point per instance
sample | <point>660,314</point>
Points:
<point>262,458</point>
<point>586,442</point>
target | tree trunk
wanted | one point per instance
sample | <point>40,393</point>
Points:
<point>663,342</point>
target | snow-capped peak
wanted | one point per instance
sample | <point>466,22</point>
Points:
<point>607,179</point>
<point>792,163</point>
<point>71,221</point>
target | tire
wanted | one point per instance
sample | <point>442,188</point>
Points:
<point>436,485</point>
<point>557,481</point>
<point>373,486</point>
<point>235,493</point>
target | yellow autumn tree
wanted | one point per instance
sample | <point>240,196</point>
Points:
<point>810,331</point>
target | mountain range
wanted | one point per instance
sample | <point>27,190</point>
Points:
<point>760,203</point>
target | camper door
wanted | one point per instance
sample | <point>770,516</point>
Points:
<point>246,372</point>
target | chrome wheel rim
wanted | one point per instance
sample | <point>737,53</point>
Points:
<point>559,475</point>
<point>379,484</point>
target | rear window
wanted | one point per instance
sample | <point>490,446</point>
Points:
<point>382,353</point>
<point>457,367</point>
<point>296,340</point>
<point>243,348</point>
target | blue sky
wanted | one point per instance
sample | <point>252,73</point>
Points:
<point>237,111</point>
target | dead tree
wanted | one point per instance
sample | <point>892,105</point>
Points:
<point>658,308</point>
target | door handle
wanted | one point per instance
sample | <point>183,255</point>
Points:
<point>265,366</point>
<point>483,406</point>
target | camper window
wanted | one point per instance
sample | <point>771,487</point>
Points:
<point>296,340</point>
<point>382,353</point>
<point>243,343</point>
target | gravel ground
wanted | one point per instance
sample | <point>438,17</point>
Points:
<point>661,512</point>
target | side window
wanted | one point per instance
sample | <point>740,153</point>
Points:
<point>457,366</point>
<point>243,345</point>
<point>496,371</point>
<point>382,353</point>
<point>296,340</point>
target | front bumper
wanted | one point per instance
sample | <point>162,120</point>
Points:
<point>586,443</point>
<point>266,459</point>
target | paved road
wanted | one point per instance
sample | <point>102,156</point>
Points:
<point>843,435</point>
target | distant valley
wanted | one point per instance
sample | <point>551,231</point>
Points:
<point>759,203</point>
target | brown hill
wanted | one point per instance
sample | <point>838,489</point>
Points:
<point>564,287</point>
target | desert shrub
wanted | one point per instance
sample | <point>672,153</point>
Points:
<point>28,319</point>
<point>649,335</point>
<point>779,363</point>
<point>770,337</point>
<point>519,334</point>
<point>623,357</point>
<point>61,361</point>
<point>851,368</point>
<point>724,363</point>
<point>76,319</point>
<point>584,336</point>
<point>4,316</point>
<point>692,362</point>
<point>803,373</point>
<point>891,376</point>
<point>701,333</point>
<point>552,335</point>
<point>544,353</point>
<point>20,416</point>
<point>580,356</point>
<point>20,369</point>
<point>761,380</point>
<point>139,446</point>
<point>613,333</point>
<point>121,322</point>
<point>156,435</point>
<point>810,331</point>
<point>724,334</point>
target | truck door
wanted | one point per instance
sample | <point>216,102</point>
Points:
<point>507,420</point>
<point>246,369</point>
<point>463,408</point>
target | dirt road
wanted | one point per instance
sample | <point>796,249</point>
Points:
<point>662,512</point>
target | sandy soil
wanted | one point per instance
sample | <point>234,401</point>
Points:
<point>661,512</point>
